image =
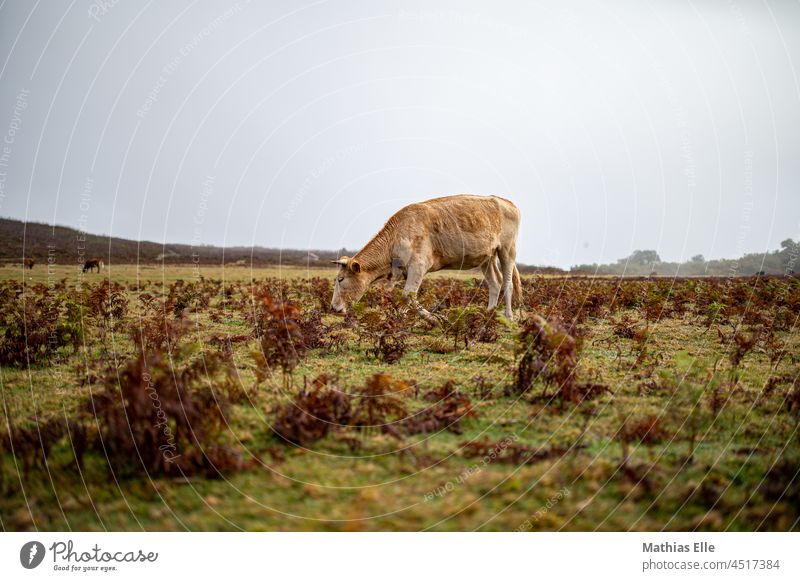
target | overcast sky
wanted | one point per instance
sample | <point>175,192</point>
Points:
<point>612,125</point>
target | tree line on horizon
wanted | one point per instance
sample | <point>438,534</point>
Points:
<point>64,245</point>
<point>783,261</point>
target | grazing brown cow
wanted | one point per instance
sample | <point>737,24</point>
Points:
<point>93,263</point>
<point>28,263</point>
<point>455,232</point>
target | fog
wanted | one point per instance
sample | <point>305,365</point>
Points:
<point>614,126</point>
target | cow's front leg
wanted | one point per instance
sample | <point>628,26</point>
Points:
<point>414,275</point>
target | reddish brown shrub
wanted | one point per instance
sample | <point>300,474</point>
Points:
<point>313,413</point>
<point>280,335</point>
<point>154,417</point>
<point>107,303</point>
<point>379,404</point>
<point>550,353</point>
<point>451,407</point>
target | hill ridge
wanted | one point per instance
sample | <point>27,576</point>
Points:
<point>68,245</point>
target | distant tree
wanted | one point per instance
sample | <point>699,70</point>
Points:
<point>698,259</point>
<point>642,257</point>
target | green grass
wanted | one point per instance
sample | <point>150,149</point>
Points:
<point>391,485</point>
<point>129,273</point>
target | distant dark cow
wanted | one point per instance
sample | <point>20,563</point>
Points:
<point>761,273</point>
<point>93,263</point>
<point>28,263</point>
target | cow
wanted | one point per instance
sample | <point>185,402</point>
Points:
<point>450,233</point>
<point>93,263</point>
<point>28,263</point>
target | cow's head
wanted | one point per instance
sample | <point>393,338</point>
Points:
<point>351,283</point>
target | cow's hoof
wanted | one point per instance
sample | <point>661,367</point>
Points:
<point>430,318</point>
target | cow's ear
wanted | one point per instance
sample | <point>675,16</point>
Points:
<point>355,266</point>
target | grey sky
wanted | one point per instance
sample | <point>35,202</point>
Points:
<point>613,125</point>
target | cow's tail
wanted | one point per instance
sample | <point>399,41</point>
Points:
<point>517,296</point>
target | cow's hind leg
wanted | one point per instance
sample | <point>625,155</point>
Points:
<point>492,276</point>
<point>508,257</point>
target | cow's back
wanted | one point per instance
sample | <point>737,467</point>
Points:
<point>462,230</point>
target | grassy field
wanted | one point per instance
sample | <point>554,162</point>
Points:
<point>127,274</point>
<point>638,405</point>
<point>152,273</point>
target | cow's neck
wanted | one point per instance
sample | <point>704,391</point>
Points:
<point>376,257</point>
<point>378,272</point>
